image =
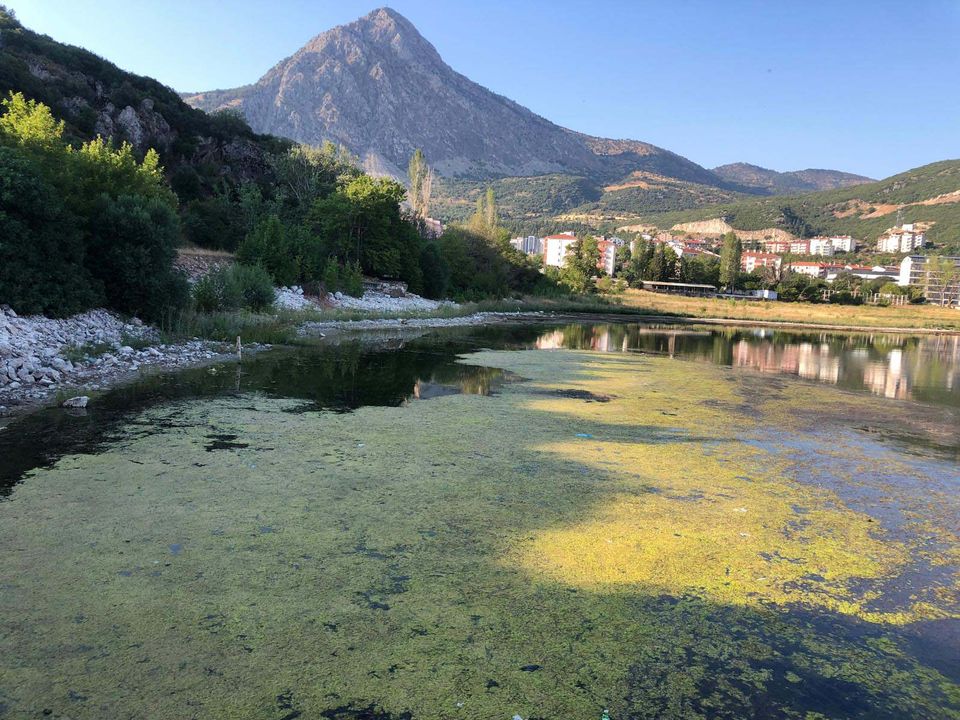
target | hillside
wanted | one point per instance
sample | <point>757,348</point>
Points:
<point>771,182</point>
<point>95,97</point>
<point>929,194</point>
<point>381,89</point>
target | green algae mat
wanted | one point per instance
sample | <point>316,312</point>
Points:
<point>657,538</point>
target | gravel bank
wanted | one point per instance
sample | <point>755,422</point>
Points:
<point>41,356</point>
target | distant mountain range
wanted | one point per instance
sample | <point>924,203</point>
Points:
<point>782,183</point>
<point>378,87</point>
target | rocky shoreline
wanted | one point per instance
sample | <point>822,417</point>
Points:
<point>41,358</point>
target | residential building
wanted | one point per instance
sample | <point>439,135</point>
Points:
<point>914,270</point>
<point>750,261</point>
<point>903,239</point>
<point>813,269</point>
<point>433,227</point>
<point>843,243</point>
<point>557,247</point>
<point>776,246</point>
<point>608,254</point>
<point>529,245</point>
<point>821,246</point>
<point>865,272</point>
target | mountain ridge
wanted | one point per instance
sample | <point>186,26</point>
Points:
<point>377,86</point>
<point>774,182</point>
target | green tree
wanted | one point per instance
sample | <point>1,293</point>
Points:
<point>730,256</point>
<point>362,222</point>
<point>133,242</point>
<point>306,173</point>
<point>941,278</point>
<point>42,249</point>
<point>421,184</point>
<point>269,246</point>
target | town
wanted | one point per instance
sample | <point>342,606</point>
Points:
<point>896,268</point>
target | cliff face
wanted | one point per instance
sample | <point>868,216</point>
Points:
<point>379,88</point>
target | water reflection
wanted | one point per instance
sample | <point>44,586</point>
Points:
<point>904,367</point>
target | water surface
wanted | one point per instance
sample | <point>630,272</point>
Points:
<point>375,529</point>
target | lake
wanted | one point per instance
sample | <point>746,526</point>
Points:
<point>535,520</point>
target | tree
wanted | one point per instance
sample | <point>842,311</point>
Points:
<point>730,256</point>
<point>42,249</point>
<point>941,279</point>
<point>133,242</point>
<point>490,209</point>
<point>306,172</point>
<point>269,245</point>
<point>421,184</point>
<point>581,266</point>
<point>361,222</point>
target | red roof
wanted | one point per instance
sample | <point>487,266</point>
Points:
<point>560,237</point>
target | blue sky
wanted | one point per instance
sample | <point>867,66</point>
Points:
<point>867,87</point>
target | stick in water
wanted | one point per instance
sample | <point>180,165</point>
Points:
<point>239,349</point>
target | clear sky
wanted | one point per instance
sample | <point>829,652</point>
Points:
<point>867,87</point>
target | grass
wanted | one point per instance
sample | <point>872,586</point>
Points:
<point>478,557</point>
<point>868,316</point>
<point>80,353</point>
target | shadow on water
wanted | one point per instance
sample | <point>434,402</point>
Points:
<point>337,378</point>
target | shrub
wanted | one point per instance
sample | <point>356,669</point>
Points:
<point>232,288</point>
<point>216,292</point>
<point>270,245</point>
<point>256,288</point>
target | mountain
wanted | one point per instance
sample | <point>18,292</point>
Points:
<point>771,182</point>
<point>382,90</point>
<point>927,195</point>
<point>95,97</point>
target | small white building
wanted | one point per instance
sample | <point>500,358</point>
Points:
<point>557,247</point>
<point>813,269</point>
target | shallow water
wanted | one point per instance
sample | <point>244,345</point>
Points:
<point>376,530</point>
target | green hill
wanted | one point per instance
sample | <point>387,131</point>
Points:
<point>95,97</point>
<point>928,194</point>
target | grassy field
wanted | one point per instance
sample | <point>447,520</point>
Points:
<point>869,316</point>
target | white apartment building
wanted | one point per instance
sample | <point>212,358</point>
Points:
<point>750,261</point>
<point>821,246</point>
<point>914,271</point>
<point>557,247</point>
<point>843,243</point>
<point>529,245</point>
<point>903,239</point>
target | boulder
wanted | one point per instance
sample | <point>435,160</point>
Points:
<point>80,401</point>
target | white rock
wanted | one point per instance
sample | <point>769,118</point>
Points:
<point>80,401</point>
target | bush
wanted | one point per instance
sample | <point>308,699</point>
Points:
<point>216,292</point>
<point>256,288</point>
<point>269,245</point>
<point>232,288</point>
